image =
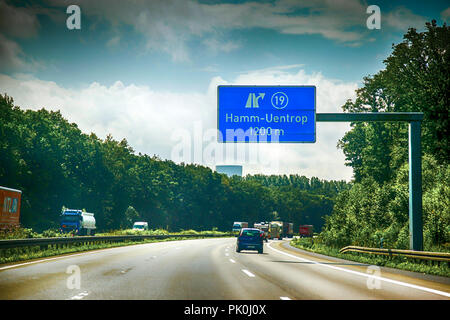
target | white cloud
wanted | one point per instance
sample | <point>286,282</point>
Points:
<point>217,45</point>
<point>148,118</point>
<point>11,55</point>
<point>402,18</point>
<point>18,22</point>
<point>113,42</point>
<point>169,25</point>
<point>445,15</point>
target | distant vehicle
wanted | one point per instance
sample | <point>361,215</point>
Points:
<point>82,223</point>
<point>306,230</point>
<point>288,230</point>
<point>140,225</point>
<point>275,229</point>
<point>250,239</point>
<point>237,226</point>
<point>10,210</point>
<point>264,227</point>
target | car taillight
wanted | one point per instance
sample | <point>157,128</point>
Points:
<point>261,234</point>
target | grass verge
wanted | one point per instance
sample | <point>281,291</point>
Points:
<point>404,263</point>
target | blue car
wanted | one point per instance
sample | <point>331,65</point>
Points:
<point>250,239</point>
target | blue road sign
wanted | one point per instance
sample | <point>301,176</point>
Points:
<point>266,113</point>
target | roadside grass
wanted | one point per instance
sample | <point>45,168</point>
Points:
<point>398,262</point>
<point>28,233</point>
<point>162,232</point>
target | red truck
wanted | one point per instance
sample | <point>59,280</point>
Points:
<point>10,207</point>
<point>306,230</point>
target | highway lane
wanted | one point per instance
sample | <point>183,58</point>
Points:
<point>208,269</point>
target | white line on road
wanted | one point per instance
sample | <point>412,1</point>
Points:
<point>251,275</point>
<point>80,296</point>
<point>442,293</point>
<point>232,261</point>
<point>50,259</point>
<point>285,298</point>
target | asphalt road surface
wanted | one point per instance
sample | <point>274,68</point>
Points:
<point>210,269</point>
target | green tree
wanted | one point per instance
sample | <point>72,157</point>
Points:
<point>416,79</point>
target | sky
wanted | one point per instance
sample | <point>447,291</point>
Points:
<point>148,71</point>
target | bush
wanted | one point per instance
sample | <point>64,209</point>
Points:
<point>14,232</point>
<point>369,211</point>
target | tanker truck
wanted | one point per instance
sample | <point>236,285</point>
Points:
<point>80,222</point>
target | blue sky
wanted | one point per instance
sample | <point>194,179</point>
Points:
<point>181,49</point>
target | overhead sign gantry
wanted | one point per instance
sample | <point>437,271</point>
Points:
<point>288,114</point>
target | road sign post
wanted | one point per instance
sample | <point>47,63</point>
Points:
<point>415,161</point>
<point>415,187</point>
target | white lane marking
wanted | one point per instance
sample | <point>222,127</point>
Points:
<point>232,261</point>
<point>405,284</point>
<point>251,275</point>
<point>285,298</point>
<point>80,296</point>
<point>227,254</point>
<point>50,259</point>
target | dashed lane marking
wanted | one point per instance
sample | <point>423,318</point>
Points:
<point>251,275</point>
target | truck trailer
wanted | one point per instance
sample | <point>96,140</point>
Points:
<point>288,230</point>
<point>80,222</point>
<point>237,226</point>
<point>306,230</point>
<point>275,229</point>
<point>10,210</point>
<point>264,227</point>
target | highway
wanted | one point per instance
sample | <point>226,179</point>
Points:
<point>209,269</point>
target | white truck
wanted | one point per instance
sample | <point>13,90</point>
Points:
<point>237,226</point>
<point>140,225</point>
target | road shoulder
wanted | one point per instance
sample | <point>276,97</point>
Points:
<point>431,281</point>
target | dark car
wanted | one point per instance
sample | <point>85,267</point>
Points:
<point>250,239</point>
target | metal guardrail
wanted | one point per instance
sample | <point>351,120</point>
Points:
<point>16,243</point>
<point>425,255</point>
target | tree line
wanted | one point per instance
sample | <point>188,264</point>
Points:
<point>416,78</point>
<point>56,165</point>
